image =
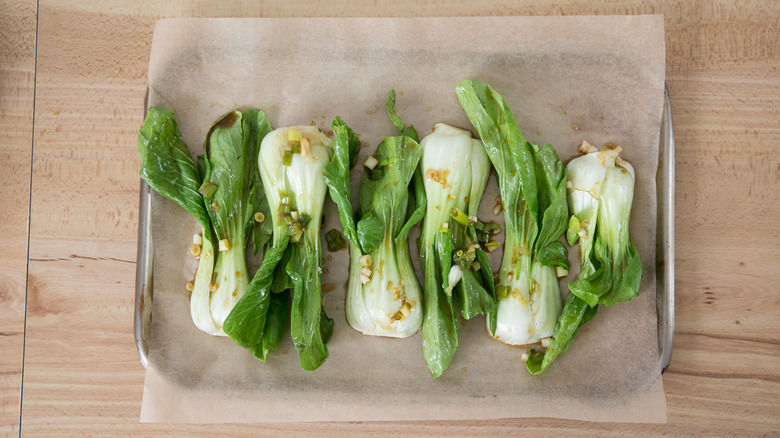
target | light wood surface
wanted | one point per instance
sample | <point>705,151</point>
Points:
<point>17,85</point>
<point>82,375</point>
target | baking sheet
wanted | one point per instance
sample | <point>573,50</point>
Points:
<point>566,78</point>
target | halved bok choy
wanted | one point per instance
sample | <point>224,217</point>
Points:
<point>532,182</point>
<point>291,161</point>
<point>222,193</point>
<point>383,297</point>
<point>600,193</point>
<point>458,278</point>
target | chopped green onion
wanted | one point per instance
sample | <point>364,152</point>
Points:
<point>502,292</point>
<point>207,189</point>
<point>334,240</point>
<point>294,135</point>
<point>459,216</point>
<point>376,174</point>
<point>387,161</point>
<point>296,232</point>
<point>371,162</point>
<point>572,232</point>
<point>464,259</point>
<point>485,230</point>
<point>287,160</point>
<point>492,246</point>
<point>304,219</point>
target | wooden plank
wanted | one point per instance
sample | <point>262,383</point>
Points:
<point>17,87</point>
<point>82,374</point>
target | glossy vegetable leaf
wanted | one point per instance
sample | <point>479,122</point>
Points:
<point>532,182</point>
<point>370,232</point>
<point>275,325</point>
<point>255,127</point>
<point>440,323</point>
<point>336,174</point>
<point>555,253</point>
<point>551,181</point>
<point>387,199</point>
<point>572,232</point>
<point>247,320</point>
<point>471,298</point>
<point>416,208</point>
<point>574,315</point>
<point>512,156</point>
<point>226,168</point>
<point>308,330</point>
<point>167,167</point>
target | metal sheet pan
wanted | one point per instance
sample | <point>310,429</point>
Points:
<point>664,250</point>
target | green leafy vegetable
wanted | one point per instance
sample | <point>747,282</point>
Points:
<point>600,196</point>
<point>296,193</point>
<point>454,170</point>
<point>276,322</point>
<point>383,296</point>
<point>167,167</point>
<point>370,231</point>
<point>230,147</point>
<point>532,182</point>
<point>246,324</point>
<point>220,191</point>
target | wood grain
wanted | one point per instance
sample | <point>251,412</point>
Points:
<point>82,374</point>
<point>17,86</point>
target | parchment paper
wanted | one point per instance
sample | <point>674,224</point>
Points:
<point>566,78</point>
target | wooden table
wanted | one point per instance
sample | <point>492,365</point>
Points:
<point>72,82</point>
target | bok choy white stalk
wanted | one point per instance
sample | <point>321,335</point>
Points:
<point>383,296</point>
<point>532,182</point>
<point>600,193</point>
<point>455,170</point>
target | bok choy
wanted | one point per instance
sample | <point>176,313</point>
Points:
<point>221,194</point>
<point>600,193</point>
<point>291,162</point>
<point>383,297</point>
<point>458,279</point>
<point>532,182</point>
